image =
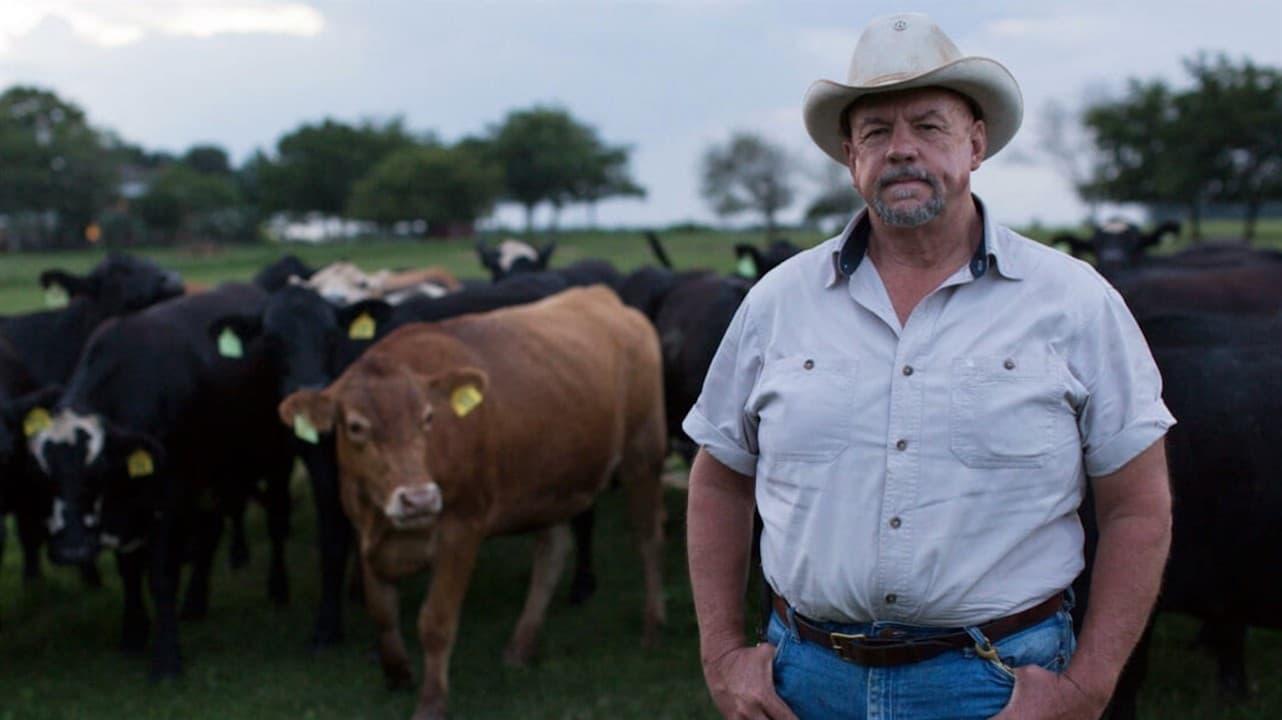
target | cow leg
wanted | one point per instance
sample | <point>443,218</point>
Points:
<point>550,548</point>
<point>135,624</point>
<point>276,502</point>
<point>383,603</point>
<point>89,574</point>
<point>1228,640</point>
<point>438,620</point>
<point>238,553</point>
<point>32,533</point>
<point>641,477</point>
<point>166,563</point>
<point>206,530</point>
<point>334,536</point>
<point>584,583</point>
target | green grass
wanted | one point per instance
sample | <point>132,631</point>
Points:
<point>58,656</point>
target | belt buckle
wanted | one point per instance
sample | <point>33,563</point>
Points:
<point>835,639</point>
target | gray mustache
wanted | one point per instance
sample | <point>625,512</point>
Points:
<point>905,173</point>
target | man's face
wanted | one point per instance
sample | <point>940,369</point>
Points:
<point>911,153</point>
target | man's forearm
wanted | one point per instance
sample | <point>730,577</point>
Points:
<point>719,539</point>
<point>1134,540</point>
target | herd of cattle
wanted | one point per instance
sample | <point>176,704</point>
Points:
<point>143,416</point>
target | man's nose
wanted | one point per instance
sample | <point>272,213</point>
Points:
<point>903,146</point>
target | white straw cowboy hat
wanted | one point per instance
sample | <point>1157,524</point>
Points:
<point>899,52</point>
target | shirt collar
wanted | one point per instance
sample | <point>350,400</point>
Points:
<point>852,246</point>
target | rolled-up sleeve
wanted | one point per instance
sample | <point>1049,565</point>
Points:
<point>720,421</point>
<point>1123,413</point>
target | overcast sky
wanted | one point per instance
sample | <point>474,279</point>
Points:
<point>667,77</point>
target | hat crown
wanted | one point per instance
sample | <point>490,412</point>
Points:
<point>896,47</point>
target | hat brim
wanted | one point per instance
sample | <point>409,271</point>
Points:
<point>985,81</point>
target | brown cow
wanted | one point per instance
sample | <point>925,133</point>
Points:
<point>503,422</point>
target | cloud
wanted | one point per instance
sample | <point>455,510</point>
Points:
<point>116,23</point>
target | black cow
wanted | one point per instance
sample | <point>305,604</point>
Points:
<point>1117,245</point>
<point>277,275</point>
<point>43,348</point>
<point>154,439</point>
<point>312,343</point>
<point>1222,379</point>
<point>754,262</point>
<point>1249,288</point>
<point>513,256</point>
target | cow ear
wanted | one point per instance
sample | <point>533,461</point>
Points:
<point>28,414</point>
<point>545,254</point>
<point>364,320</point>
<point>749,264</point>
<point>137,454</point>
<point>1155,237</point>
<point>308,412</point>
<point>488,256</point>
<point>231,333</point>
<point>462,390</point>
<point>73,285</point>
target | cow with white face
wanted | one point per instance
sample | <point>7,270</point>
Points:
<point>343,283</point>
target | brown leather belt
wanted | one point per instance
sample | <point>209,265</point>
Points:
<point>892,649</point>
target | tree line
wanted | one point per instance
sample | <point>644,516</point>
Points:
<point>66,183</point>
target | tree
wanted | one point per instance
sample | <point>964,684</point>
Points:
<point>316,165</point>
<point>183,200</point>
<point>837,200</point>
<point>207,160</point>
<point>1062,140</point>
<point>444,186</point>
<point>543,153</point>
<point>748,173</point>
<point>1218,140</point>
<point>605,176</point>
<point>53,164</point>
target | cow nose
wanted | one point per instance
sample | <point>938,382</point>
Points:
<point>421,499</point>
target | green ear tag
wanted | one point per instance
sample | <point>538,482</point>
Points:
<point>56,296</point>
<point>747,267</point>
<point>36,421</point>
<point>229,344</point>
<point>305,430</point>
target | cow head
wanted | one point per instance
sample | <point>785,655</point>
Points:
<point>300,332</point>
<point>103,482</point>
<point>1116,245</point>
<point>342,283</point>
<point>396,432</point>
<point>278,274</point>
<point>120,283</point>
<point>753,262</point>
<point>513,257</point>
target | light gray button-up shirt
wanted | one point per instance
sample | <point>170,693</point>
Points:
<point>928,473</point>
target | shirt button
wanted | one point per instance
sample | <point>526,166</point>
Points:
<point>895,522</point>
<point>1009,364</point>
<point>908,370</point>
<point>809,364</point>
<point>891,599</point>
<point>901,445</point>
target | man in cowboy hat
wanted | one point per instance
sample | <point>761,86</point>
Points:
<point>915,407</point>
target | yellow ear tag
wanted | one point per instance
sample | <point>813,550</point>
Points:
<point>305,430</point>
<point>35,421</point>
<point>464,399</point>
<point>229,344</point>
<point>140,464</point>
<point>747,267</point>
<point>56,296</point>
<point>362,328</point>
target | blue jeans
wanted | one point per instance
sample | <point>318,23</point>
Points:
<point>816,683</point>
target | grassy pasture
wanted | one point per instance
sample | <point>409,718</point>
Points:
<point>58,656</point>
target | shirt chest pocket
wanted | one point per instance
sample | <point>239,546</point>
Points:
<point>805,407</point>
<point>1007,412</point>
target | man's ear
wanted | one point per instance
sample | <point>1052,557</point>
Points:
<point>231,333</point>
<point>308,409</point>
<point>363,320</point>
<point>460,390</point>
<point>978,144</point>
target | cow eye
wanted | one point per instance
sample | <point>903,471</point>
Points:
<point>427,418</point>
<point>357,429</point>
